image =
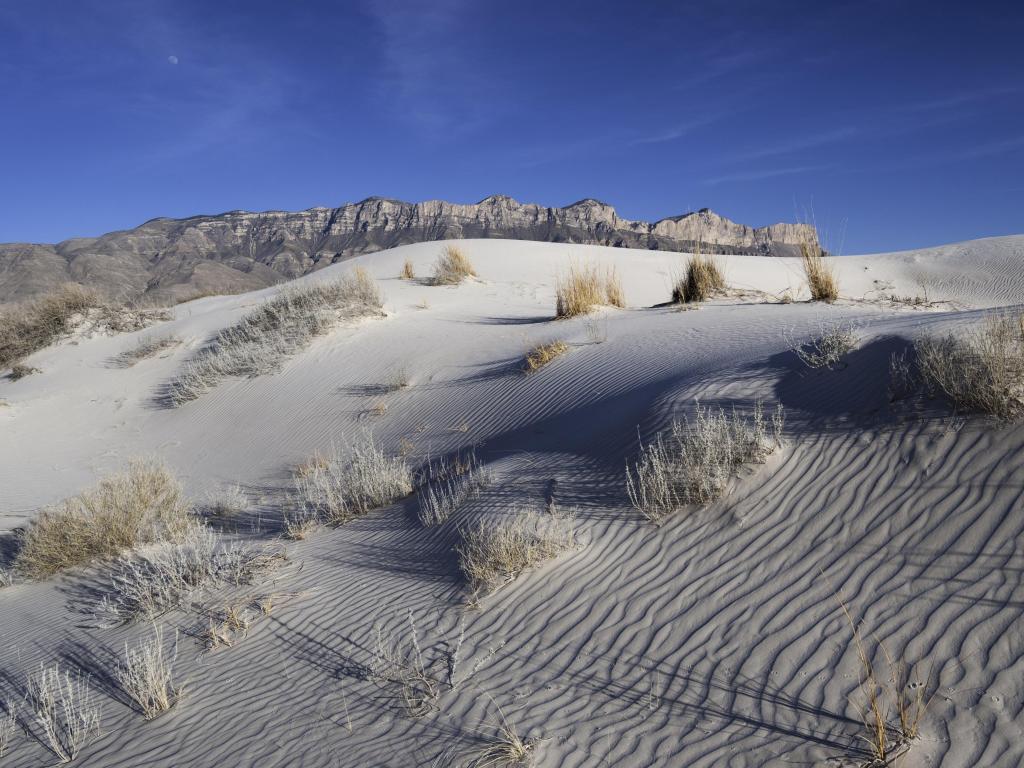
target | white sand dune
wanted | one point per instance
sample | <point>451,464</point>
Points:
<point>712,640</point>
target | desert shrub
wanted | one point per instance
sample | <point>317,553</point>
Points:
<point>20,371</point>
<point>262,340</point>
<point>143,503</point>
<point>452,267</point>
<point>492,554</point>
<point>345,488</point>
<point>820,275</point>
<point>229,502</point>
<point>702,279</point>
<point>693,462</point>
<point>979,370</point>
<point>146,347</point>
<point>298,524</point>
<point>543,354</point>
<point>31,326</point>
<point>447,484</point>
<point>146,675</point>
<point>585,286</point>
<point>408,272</point>
<point>827,349</point>
<point>62,708</point>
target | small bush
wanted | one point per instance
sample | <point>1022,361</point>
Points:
<point>693,463</point>
<point>452,267</point>
<point>820,275</point>
<point>263,339</point>
<point>145,348</point>
<point>493,554</point>
<point>585,286</point>
<point>62,708</point>
<point>408,273</point>
<point>979,370</point>
<point>20,371</point>
<point>144,503</point>
<point>826,350</point>
<point>28,327</point>
<point>347,488</point>
<point>543,354</point>
<point>146,675</point>
<point>703,278</point>
<point>504,747</point>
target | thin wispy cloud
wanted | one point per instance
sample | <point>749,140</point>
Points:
<point>991,149</point>
<point>962,98</point>
<point>678,131</point>
<point>768,173</point>
<point>800,144</point>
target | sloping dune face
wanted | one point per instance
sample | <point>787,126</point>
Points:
<point>884,526</point>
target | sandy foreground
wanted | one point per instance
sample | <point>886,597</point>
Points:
<point>715,639</point>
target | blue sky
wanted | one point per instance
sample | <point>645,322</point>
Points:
<point>900,123</point>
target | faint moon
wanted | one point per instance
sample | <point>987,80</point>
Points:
<point>172,59</point>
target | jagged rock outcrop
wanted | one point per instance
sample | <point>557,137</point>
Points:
<point>171,259</point>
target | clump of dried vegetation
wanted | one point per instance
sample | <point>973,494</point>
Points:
<point>452,266</point>
<point>408,271</point>
<point>281,327</point>
<point>492,554</point>
<point>585,286</point>
<point>61,708</point>
<point>819,273</point>
<point>829,348</point>
<point>32,325</point>
<point>693,462</point>
<point>342,488</point>
<point>447,483</point>
<point>146,347</point>
<point>503,746</point>
<point>702,280</point>
<point>980,369</point>
<point>146,674</point>
<point>143,503</point>
<point>543,354</point>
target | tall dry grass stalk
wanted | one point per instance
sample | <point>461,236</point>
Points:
<point>408,272</point>
<point>702,280</point>
<point>452,266</point>
<point>585,286</point>
<point>820,274</point>
<point>143,503</point>
<point>981,369</point>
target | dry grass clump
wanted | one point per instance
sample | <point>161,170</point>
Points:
<point>62,709</point>
<point>826,350</point>
<point>447,484</point>
<point>693,462</point>
<point>452,267</point>
<point>979,370</point>
<point>143,503</point>
<point>820,275</point>
<point>504,747</point>
<point>8,726</point>
<point>494,554</point>
<point>585,286</point>
<point>702,280</point>
<point>31,326</point>
<point>349,487</point>
<point>281,327</point>
<point>146,675</point>
<point>20,371</point>
<point>145,348</point>
<point>407,273</point>
<point>543,354</point>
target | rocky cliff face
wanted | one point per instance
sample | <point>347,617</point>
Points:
<point>171,259</point>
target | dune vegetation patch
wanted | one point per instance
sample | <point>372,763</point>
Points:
<point>827,349</point>
<point>586,286</point>
<point>452,266</point>
<point>408,271</point>
<point>492,554</point>
<point>146,674</point>
<point>339,488</point>
<point>142,504</point>
<point>703,278</point>
<point>543,354</point>
<point>980,369</point>
<point>448,483</point>
<point>263,339</point>
<point>145,348</point>
<point>692,463</point>
<point>819,273</point>
<point>33,325</point>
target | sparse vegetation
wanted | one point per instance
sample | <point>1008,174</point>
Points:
<point>8,726</point>
<point>503,746</point>
<point>228,502</point>
<point>452,267</point>
<point>62,709</point>
<point>980,369</point>
<point>146,675</point>
<point>299,524</point>
<point>492,554</point>
<point>585,286</point>
<point>6,577</point>
<point>143,503</point>
<point>828,349</point>
<point>263,339</point>
<point>820,275</point>
<point>408,272</point>
<point>693,462</point>
<point>347,488</point>
<point>543,354</point>
<point>20,371</point>
<point>146,347</point>
<point>702,279</point>
<point>447,484</point>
